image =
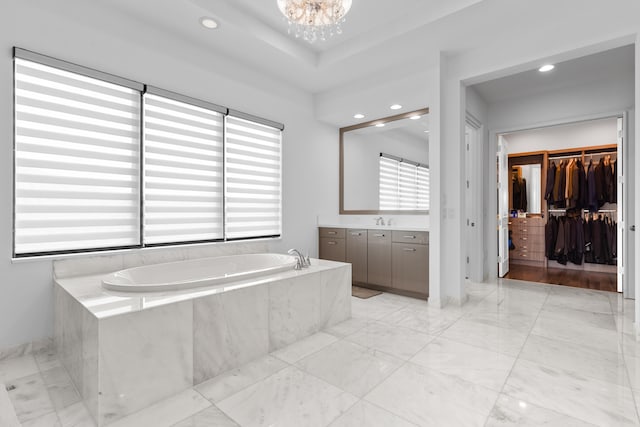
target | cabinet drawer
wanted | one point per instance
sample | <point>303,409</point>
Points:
<point>332,249</point>
<point>525,254</point>
<point>337,233</point>
<point>413,237</point>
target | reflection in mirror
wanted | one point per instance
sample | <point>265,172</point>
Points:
<point>384,169</point>
<point>527,191</point>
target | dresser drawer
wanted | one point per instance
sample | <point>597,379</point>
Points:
<point>414,237</point>
<point>336,233</point>
<point>525,254</point>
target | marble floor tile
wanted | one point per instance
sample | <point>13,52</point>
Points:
<point>348,327</point>
<point>30,397</point>
<point>49,420</point>
<point>632,364</point>
<point>511,412</point>
<point>522,322</point>
<point>474,364</point>
<point>61,390</point>
<point>374,309</point>
<point>17,367</point>
<point>588,301</point>
<point>582,360</point>
<point>424,320</point>
<point>166,412</point>
<point>8,416</point>
<point>350,366</point>
<point>229,383</point>
<point>365,414</point>
<point>303,348</point>
<point>430,398</point>
<point>75,415</point>
<point>47,359</point>
<point>394,340</point>
<point>591,318</point>
<point>502,340</point>
<point>291,397</point>
<point>587,399</point>
<point>210,417</point>
<point>577,333</point>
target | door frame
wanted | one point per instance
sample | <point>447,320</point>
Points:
<point>473,200</point>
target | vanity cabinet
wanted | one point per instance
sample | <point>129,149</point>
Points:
<point>379,257</point>
<point>388,260</point>
<point>332,244</point>
<point>356,254</point>
<point>410,262</point>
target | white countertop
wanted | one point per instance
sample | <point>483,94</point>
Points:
<point>375,227</point>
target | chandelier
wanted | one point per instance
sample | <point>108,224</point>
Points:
<point>314,20</point>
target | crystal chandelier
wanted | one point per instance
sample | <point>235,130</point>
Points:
<point>314,20</point>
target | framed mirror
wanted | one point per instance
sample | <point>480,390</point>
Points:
<point>525,190</point>
<point>384,166</point>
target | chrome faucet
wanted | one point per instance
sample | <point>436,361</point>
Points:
<point>380,221</point>
<point>301,260</point>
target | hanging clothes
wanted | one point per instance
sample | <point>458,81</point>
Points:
<point>572,239</point>
<point>519,191</point>
<point>591,188</point>
<point>551,178</point>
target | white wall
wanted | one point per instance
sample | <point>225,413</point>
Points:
<point>116,44</point>
<point>584,134</point>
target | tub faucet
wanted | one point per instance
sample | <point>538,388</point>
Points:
<point>301,260</point>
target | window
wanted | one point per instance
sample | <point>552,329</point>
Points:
<point>404,185</point>
<point>77,142</point>
<point>253,179</point>
<point>103,163</point>
<point>182,171</point>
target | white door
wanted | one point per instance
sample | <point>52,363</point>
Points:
<point>503,207</point>
<point>621,240</point>
<point>468,200</point>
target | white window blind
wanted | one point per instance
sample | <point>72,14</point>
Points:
<point>183,180</point>
<point>404,185</point>
<point>253,179</point>
<point>77,144</point>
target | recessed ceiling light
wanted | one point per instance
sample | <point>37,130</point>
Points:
<point>546,68</point>
<point>380,125</point>
<point>358,116</point>
<point>209,23</point>
<point>426,131</point>
<point>396,107</point>
<point>415,117</point>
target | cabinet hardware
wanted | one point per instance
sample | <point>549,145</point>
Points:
<point>332,243</point>
<point>332,232</point>
<point>408,237</point>
<point>356,234</point>
<point>378,235</point>
<point>409,249</point>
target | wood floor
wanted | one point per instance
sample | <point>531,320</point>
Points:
<point>557,276</point>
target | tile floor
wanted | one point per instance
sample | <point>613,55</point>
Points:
<point>517,354</point>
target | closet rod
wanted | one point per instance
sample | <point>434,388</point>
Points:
<point>552,157</point>
<point>598,153</point>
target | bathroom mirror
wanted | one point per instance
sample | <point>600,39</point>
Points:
<point>384,165</point>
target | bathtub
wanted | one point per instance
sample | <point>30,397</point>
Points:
<point>195,273</point>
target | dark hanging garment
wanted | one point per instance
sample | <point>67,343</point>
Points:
<point>574,194</point>
<point>615,180</point>
<point>562,186</point>
<point>560,248</point>
<point>519,188</point>
<point>591,188</point>
<point>600,184</point>
<point>610,233</point>
<point>588,245</point>
<point>551,177</point>
<point>583,198</point>
<point>608,181</point>
<point>550,234</point>
<point>556,184</point>
<point>597,241</point>
<point>523,191</point>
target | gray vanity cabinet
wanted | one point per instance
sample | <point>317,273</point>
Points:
<point>356,254</point>
<point>410,261</point>
<point>379,257</point>
<point>332,244</point>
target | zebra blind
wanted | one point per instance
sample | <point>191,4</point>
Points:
<point>183,180</point>
<point>252,179</point>
<point>404,185</point>
<point>76,172</point>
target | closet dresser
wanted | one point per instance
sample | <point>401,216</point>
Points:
<point>527,235</point>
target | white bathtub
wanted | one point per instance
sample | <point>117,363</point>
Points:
<point>196,273</point>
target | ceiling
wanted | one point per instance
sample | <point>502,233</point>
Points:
<point>610,64</point>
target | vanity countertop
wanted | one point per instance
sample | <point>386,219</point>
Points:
<point>375,227</point>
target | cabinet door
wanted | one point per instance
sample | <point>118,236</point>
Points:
<point>379,257</point>
<point>356,254</point>
<point>411,267</point>
<point>332,249</point>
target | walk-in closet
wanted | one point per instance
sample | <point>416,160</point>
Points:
<point>564,203</point>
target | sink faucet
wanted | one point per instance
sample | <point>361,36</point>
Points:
<point>301,260</point>
<point>380,221</point>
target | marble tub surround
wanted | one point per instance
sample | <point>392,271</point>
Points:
<point>448,381</point>
<point>125,352</point>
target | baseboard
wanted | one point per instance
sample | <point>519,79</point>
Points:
<point>28,348</point>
